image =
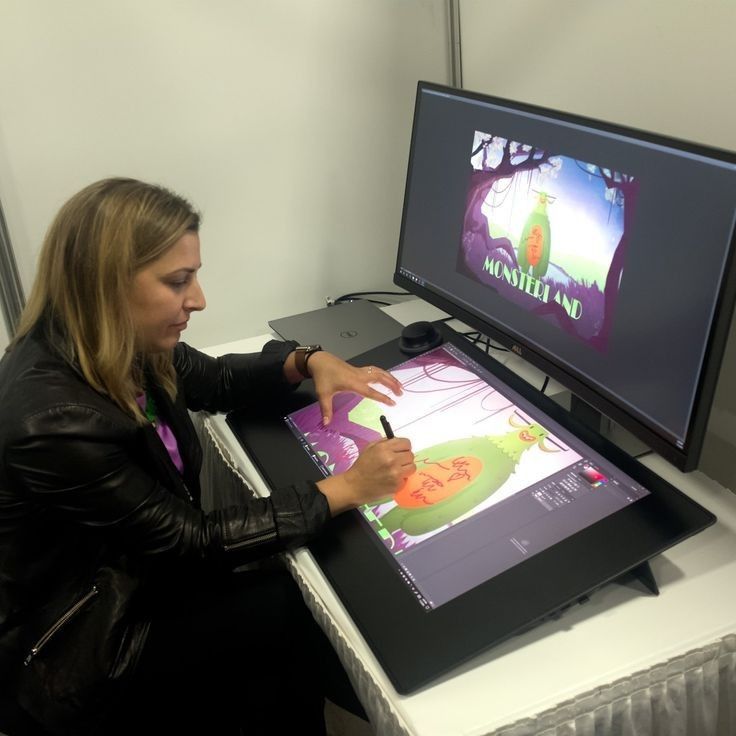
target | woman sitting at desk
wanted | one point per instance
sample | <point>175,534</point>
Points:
<point>117,596</point>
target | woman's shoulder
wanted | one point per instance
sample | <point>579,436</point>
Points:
<point>38,385</point>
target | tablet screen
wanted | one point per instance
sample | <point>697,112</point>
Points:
<point>497,479</point>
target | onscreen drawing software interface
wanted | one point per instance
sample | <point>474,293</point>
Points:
<point>497,481</point>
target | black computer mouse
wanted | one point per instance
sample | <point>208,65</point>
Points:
<point>418,337</point>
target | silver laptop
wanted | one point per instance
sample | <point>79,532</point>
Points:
<point>346,329</point>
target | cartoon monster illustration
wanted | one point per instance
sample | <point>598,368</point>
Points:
<point>456,476</point>
<point>536,239</point>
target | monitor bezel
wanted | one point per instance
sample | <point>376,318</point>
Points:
<point>684,458</point>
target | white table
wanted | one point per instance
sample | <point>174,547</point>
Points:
<point>626,662</point>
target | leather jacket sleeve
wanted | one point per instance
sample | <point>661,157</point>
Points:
<point>231,381</point>
<point>87,466</point>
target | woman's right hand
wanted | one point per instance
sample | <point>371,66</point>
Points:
<point>378,473</point>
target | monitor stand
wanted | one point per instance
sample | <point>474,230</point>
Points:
<point>601,424</point>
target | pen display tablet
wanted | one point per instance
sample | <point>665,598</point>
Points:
<point>502,546</point>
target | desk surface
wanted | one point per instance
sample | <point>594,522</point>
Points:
<point>620,631</point>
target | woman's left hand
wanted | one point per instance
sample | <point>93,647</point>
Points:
<point>332,375</point>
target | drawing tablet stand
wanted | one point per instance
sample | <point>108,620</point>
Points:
<point>643,573</point>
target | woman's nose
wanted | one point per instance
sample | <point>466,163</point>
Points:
<point>195,301</point>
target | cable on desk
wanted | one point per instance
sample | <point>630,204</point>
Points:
<point>476,337</point>
<point>359,295</point>
<point>544,385</point>
<point>372,301</point>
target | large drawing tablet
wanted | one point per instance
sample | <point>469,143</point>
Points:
<point>516,510</point>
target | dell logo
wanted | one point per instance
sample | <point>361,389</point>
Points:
<point>348,333</point>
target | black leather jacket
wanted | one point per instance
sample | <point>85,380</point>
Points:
<point>83,488</point>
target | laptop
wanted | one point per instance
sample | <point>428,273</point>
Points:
<point>346,329</point>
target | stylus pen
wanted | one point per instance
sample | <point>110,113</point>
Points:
<point>387,428</point>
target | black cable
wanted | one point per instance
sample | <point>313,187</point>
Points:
<point>544,385</point>
<point>354,294</point>
<point>500,348</point>
<point>481,338</point>
<point>473,336</point>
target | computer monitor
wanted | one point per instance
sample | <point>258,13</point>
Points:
<point>603,255</point>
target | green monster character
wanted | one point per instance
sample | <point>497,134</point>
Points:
<point>536,239</point>
<point>456,476</point>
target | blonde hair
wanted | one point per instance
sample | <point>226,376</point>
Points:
<point>97,242</point>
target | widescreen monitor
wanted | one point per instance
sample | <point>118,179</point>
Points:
<point>603,255</point>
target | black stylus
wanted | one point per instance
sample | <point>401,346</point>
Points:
<point>386,428</point>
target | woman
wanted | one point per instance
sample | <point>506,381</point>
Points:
<point>118,607</point>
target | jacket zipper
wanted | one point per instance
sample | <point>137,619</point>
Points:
<point>258,539</point>
<point>61,621</point>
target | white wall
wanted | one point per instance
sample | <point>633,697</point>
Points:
<point>662,65</point>
<point>287,123</point>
